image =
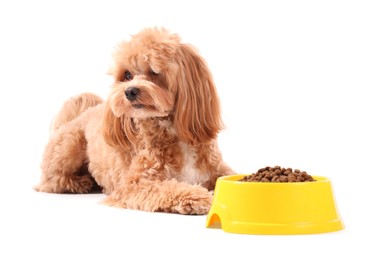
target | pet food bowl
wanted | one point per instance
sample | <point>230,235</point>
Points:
<point>274,208</point>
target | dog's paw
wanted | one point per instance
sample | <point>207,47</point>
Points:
<point>81,184</point>
<point>77,184</point>
<point>198,202</point>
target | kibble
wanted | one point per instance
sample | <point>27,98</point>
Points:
<point>278,174</point>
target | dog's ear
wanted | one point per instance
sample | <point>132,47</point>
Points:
<point>197,117</point>
<point>118,131</point>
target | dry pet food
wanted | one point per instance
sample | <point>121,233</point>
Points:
<point>278,174</point>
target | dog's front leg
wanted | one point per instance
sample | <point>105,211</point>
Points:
<point>161,196</point>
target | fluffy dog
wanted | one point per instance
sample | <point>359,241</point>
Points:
<point>152,145</point>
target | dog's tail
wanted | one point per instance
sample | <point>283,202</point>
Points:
<point>73,108</point>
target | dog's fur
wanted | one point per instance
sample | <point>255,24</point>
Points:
<point>155,150</point>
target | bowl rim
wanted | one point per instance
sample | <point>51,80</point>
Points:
<point>234,178</point>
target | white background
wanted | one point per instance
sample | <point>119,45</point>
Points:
<point>297,82</point>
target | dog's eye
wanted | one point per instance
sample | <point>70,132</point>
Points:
<point>128,75</point>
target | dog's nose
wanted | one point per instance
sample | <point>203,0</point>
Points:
<point>132,93</point>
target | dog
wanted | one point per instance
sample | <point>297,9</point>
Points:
<point>152,144</point>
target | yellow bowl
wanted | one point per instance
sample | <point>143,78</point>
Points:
<point>274,208</point>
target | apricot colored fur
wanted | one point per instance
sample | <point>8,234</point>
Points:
<point>154,152</point>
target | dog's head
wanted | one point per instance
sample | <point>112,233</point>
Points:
<point>158,76</point>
